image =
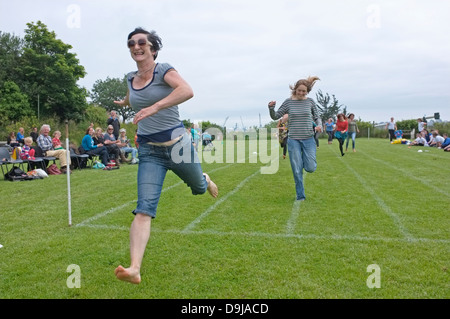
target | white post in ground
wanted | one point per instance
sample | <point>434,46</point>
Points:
<point>68,173</point>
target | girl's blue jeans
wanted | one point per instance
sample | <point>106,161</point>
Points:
<point>302,154</point>
<point>351,135</point>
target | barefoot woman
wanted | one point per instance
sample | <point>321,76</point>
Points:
<point>154,92</point>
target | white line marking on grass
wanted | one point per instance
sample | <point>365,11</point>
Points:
<point>114,209</point>
<point>102,214</point>
<point>218,202</point>
<point>292,222</point>
<point>404,172</point>
<point>379,201</point>
<point>279,236</point>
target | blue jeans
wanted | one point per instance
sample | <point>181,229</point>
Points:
<point>351,135</point>
<point>302,154</point>
<point>155,161</point>
<point>131,150</point>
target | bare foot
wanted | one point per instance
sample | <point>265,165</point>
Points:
<point>128,274</point>
<point>212,187</point>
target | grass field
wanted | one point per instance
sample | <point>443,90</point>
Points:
<point>385,205</point>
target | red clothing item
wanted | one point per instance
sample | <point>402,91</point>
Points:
<point>342,126</point>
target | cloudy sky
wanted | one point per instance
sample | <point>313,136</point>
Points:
<point>380,58</point>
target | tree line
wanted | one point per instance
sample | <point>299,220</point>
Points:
<point>38,80</point>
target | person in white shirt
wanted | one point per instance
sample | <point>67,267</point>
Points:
<point>419,141</point>
<point>392,127</point>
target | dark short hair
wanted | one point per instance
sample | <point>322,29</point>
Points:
<point>154,39</point>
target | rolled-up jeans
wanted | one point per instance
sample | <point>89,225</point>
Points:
<point>155,161</point>
<point>302,154</point>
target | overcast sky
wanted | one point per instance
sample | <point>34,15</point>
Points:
<point>379,58</point>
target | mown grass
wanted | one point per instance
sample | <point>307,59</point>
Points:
<point>385,204</point>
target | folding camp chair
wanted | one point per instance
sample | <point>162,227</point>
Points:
<point>6,159</point>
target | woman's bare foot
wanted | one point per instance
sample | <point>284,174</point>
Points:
<point>212,187</point>
<point>128,274</point>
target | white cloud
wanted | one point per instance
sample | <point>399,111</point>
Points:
<point>378,57</point>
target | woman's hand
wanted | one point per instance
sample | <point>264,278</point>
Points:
<point>125,101</point>
<point>272,103</point>
<point>143,113</point>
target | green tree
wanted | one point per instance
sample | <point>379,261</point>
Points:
<point>11,48</point>
<point>104,93</point>
<point>328,106</point>
<point>49,70</point>
<point>13,103</point>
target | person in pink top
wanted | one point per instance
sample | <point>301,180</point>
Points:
<point>341,130</point>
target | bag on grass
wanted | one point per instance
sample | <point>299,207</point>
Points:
<point>16,174</point>
<point>98,165</point>
<point>53,170</point>
<point>40,172</point>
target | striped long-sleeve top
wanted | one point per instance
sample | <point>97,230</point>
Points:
<point>302,113</point>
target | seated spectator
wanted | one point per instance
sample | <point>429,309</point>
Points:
<point>99,150</point>
<point>437,139</point>
<point>446,140</point>
<point>27,152</point>
<point>419,141</point>
<point>126,148</point>
<point>56,141</point>
<point>34,134</point>
<point>20,136</point>
<point>44,141</point>
<point>113,149</point>
<point>110,139</point>
<point>12,141</point>
<point>426,135</point>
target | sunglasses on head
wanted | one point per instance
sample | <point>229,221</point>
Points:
<point>140,42</point>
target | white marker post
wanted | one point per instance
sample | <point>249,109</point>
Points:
<point>68,173</point>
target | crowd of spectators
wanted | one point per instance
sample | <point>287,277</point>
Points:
<point>112,150</point>
<point>433,139</point>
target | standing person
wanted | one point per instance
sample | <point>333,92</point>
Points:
<point>302,112</point>
<point>329,127</point>
<point>195,136</point>
<point>154,92</point>
<point>352,130</point>
<point>114,121</point>
<point>421,124</point>
<point>341,130</point>
<point>392,127</point>
<point>283,133</point>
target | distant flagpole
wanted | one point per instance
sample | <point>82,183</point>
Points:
<point>68,173</point>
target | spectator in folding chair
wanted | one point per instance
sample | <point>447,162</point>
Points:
<point>44,141</point>
<point>27,155</point>
<point>88,145</point>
